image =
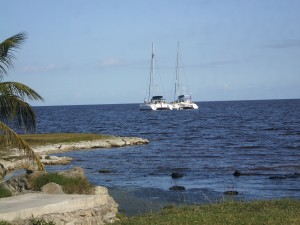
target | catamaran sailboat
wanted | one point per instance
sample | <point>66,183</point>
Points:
<point>183,101</point>
<point>157,102</point>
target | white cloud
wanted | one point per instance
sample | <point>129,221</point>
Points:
<point>226,87</point>
<point>111,62</point>
<point>41,69</point>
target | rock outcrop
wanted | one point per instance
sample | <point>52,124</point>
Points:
<point>110,142</point>
<point>53,205</point>
<point>61,209</point>
<point>55,160</point>
<point>17,185</point>
<point>16,160</point>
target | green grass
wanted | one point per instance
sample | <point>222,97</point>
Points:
<point>37,221</point>
<point>2,222</point>
<point>43,139</point>
<point>70,185</point>
<point>229,212</point>
<point>53,138</point>
<point>34,221</point>
<point>4,192</point>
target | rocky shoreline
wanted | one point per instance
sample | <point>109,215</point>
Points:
<point>98,208</point>
<point>16,160</point>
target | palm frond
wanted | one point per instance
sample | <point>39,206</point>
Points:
<point>14,138</point>
<point>13,106</point>
<point>7,49</point>
<point>20,90</point>
<point>15,111</point>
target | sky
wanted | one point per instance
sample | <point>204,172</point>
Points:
<point>82,52</point>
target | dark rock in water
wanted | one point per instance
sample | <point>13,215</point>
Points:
<point>176,175</point>
<point>177,188</point>
<point>277,177</point>
<point>231,193</point>
<point>288,176</point>
<point>295,175</point>
<point>104,171</point>
<point>237,173</point>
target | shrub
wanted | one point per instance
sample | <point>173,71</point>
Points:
<point>36,221</point>
<point>70,185</point>
<point>4,223</point>
<point>5,192</point>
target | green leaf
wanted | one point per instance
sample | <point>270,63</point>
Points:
<point>7,49</point>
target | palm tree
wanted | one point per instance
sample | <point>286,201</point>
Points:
<point>13,96</point>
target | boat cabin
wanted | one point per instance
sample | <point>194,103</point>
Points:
<point>158,99</point>
<point>184,98</point>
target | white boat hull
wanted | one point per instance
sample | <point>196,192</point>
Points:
<point>185,105</point>
<point>147,107</point>
<point>157,106</point>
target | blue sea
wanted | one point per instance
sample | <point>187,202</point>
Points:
<point>260,139</point>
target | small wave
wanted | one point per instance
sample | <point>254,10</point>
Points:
<point>291,133</point>
<point>272,129</point>
<point>251,147</point>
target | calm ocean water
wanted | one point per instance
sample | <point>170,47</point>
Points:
<point>259,138</point>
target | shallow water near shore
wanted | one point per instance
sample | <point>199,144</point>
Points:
<point>261,139</point>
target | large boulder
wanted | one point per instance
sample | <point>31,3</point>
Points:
<point>52,188</point>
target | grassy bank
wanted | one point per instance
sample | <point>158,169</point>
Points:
<point>43,139</point>
<point>69,184</point>
<point>48,139</point>
<point>231,212</point>
<point>54,138</point>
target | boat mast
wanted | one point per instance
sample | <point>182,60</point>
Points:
<point>176,93</point>
<point>151,74</point>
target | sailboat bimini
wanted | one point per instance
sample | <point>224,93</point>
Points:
<point>157,102</point>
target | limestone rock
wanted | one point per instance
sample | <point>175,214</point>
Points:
<point>74,172</point>
<point>55,160</point>
<point>100,190</point>
<point>52,188</point>
<point>8,165</point>
<point>17,185</point>
<point>52,205</point>
<point>2,171</point>
<point>59,209</point>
